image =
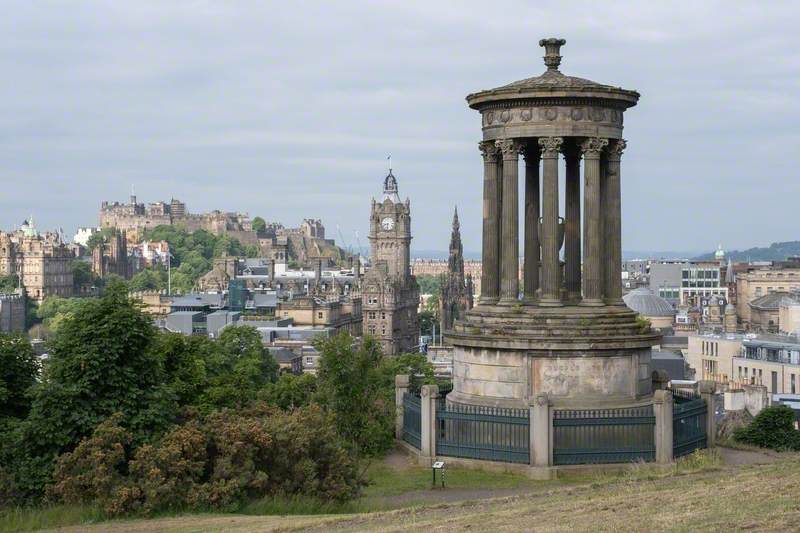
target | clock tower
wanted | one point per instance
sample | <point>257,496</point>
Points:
<point>390,293</point>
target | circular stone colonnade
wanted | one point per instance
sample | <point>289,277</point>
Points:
<point>568,334</point>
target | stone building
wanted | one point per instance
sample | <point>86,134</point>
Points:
<point>765,310</point>
<point>312,228</point>
<point>341,314</point>
<point>12,312</point>
<point>135,218</point>
<point>758,281</point>
<point>456,297</point>
<point>390,292</point>
<point>569,339</point>
<point>42,261</point>
<point>112,257</point>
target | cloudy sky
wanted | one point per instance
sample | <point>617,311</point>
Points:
<point>288,109</point>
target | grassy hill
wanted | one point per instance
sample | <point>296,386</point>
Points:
<point>696,495</point>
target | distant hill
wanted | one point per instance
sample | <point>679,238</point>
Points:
<point>777,251</point>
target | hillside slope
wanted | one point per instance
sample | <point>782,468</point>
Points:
<point>760,498</point>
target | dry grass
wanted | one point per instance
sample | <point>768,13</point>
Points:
<point>698,496</point>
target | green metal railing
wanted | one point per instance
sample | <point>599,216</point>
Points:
<point>412,420</point>
<point>595,436</point>
<point>689,416</point>
<point>476,432</point>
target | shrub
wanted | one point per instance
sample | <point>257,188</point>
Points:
<point>222,462</point>
<point>772,428</point>
<point>95,468</point>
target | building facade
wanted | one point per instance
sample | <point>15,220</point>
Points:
<point>390,294</point>
<point>759,281</point>
<point>42,261</point>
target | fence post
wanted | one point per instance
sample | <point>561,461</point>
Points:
<point>541,430</point>
<point>401,384</point>
<point>662,407</point>
<point>707,390</point>
<point>428,423</point>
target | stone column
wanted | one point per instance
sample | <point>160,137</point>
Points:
<point>572,214</point>
<point>401,385</point>
<point>551,285</point>
<point>592,245</point>
<point>531,267</point>
<point>427,441</point>
<point>490,276</point>
<point>613,225</point>
<point>509,257</point>
<point>662,409</point>
<point>707,390</point>
<point>541,437</point>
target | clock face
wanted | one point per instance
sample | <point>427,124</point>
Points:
<point>387,223</point>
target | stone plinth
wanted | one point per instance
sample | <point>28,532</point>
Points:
<point>577,356</point>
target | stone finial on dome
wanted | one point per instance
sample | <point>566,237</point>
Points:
<point>552,49</point>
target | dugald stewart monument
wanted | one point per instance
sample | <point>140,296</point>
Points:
<point>565,333</point>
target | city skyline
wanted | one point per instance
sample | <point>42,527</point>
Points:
<point>253,110</point>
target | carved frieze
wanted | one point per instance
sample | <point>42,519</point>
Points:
<point>549,114</point>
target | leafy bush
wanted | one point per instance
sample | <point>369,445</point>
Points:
<point>222,462</point>
<point>772,428</point>
<point>96,468</point>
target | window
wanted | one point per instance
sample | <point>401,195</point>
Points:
<point>793,384</point>
<point>383,330</point>
<point>319,314</point>
<point>383,316</point>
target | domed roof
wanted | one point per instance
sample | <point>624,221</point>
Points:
<point>647,304</point>
<point>553,83</point>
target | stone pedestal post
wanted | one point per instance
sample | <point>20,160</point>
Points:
<point>662,408</point>
<point>509,257</point>
<point>490,277</point>
<point>401,385</point>
<point>707,390</point>
<point>551,283</point>
<point>530,275</point>
<point>613,225</point>
<point>572,216</point>
<point>592,245</point>
<point>541,428</point>
<point>427,451</point>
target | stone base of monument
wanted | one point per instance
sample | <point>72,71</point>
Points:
<point>581,357</point>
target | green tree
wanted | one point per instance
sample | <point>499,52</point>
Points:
<point>19,369</point>
<point>426,321</point>
<point>291,391</point>
<point>349,384</point>
<point>54,310</point>
<point>9,283</point>
<point>81,273</point>
<point>150,279</point>
<point>259,225</point>
<point>100,363</point>
<point>429,284</point>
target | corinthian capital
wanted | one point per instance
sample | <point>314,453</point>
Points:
<point>615,149</point>
<point>592,146</point>
<point>489,151</point>
<point>511,148</point>
<point>550,146</point>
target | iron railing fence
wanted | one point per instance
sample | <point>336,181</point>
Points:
<point>412,420</point>
<point>688,426</point>
<point>476,432</point>
<point>595,436</point>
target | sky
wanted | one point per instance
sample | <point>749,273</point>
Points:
<point>288,110</point>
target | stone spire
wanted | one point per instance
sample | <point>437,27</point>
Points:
<point>456,260</point>
<point>730,276</point>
